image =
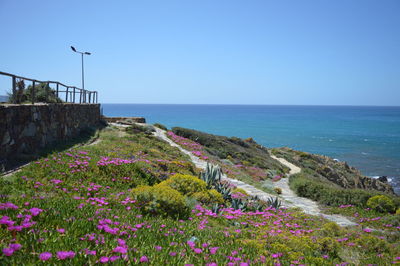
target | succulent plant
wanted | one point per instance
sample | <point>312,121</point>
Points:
<point>217,208</point>
<point>212,175</point>
<point>274,203</point>
<point>238,204</point>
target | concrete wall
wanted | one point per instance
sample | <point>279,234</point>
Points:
<point>24,129</point>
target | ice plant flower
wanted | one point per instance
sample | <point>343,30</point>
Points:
<point>15,246</point>
<point>8,252</point>
<point>45,256</point>
<point>35,211</point>
<point>104,259</point>
<point>144,259</point>
<point>62,255</point>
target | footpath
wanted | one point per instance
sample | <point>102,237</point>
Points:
<point>290,199</point>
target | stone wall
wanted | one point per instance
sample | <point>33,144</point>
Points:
<point>25,129</point>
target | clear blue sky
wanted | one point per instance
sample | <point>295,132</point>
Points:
<point>342,52</point>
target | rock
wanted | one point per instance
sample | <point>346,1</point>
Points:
<point>383,179</point>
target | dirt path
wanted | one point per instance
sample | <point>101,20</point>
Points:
<point>307,205</point>
<point>289,197</point>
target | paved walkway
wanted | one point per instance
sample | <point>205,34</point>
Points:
<point>289,197</point>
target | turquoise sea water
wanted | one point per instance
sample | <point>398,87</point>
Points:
<point>368,138</point>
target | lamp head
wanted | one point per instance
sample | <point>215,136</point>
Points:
<point>73,48</point>
<point>87,53</point>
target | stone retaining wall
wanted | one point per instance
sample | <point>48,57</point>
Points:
<point>24,129</point>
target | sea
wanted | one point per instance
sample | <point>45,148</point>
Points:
<point>366,137</point>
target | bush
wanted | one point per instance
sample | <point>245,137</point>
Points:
<point>43,93</point>
<point>278,190</point>
<point>209,197</point>
<point>331,229</point>
<point>381,203</point>
<point>398,211</point>
<point>135,128</point>
<point>185,184</point>
<point>161,200</point>
<point>240,190</point>
<point>329,194</point>
<point>372,244</point>
<point>160,126</point>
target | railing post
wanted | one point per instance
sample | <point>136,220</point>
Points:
<point>90,97</point>
<point>80,96</point>
<point>57,90</point>
<point>73,96</point>
<point>66,95</point>
<point>33,92</point>
<point>47,91</point>
<point>14,89</point>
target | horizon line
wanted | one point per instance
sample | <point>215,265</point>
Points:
<point>233,104</point>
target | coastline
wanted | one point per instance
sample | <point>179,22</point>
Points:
<point>299,127</point>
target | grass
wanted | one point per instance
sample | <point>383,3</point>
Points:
<point>76,206</point>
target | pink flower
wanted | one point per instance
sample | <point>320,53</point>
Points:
<point>45,256</point>
<point>213,250</point>
<point>35,211</point>
<point>158,248</point>
<point>61,230</point>
<point>121,250</point>
<point>62,255</point>
<point>172,254</point>
<point>15,246</point>
<point>104,259</point>
<point>277,255</point>
<point>197,250</point>
<point>144,259</point>
<point>367,230</point>
<point>8,251</point>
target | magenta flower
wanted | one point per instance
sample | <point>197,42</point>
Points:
<point>35,211</point>
<point>61,230</point>
<point>144,259</point>
<point>62,255</point>
<point>45,256</point>
<point>15,246</point>
<point>197,250</point>
<point>104,259</point>
<point>8,251</point>
<point>172,254</point>
<point>158,248</point>
<point>121,250</point>
<point>277,255</point>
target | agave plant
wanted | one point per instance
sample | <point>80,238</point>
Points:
<point>238,204</point>
<point>217,209</point>
<point>212,175</point>
<point>274,203</point>
<point>225,190</point>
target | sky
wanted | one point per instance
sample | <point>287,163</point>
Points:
<point>342,52</point>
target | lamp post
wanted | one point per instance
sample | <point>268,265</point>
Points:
<point>83,75</point>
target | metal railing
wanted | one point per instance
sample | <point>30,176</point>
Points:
<point>85,96</point>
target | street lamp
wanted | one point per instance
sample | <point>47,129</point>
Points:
<point>82,53</point>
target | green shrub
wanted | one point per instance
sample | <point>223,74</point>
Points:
<point>372,244</point>
<point>135,128</point>
<point>185,184</point>
<point>398,211</point>
<point>161,200</point>
<point>381,203</point>
<point>278,190</point>
<point>240,190</point>
<point>160,126</point>
<point>328,194</point>
<point>331,229</point>
<point>209,197</point>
